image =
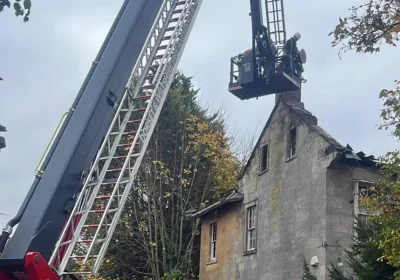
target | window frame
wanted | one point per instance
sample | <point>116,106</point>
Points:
<point>250,229</point>
<point>289,148</point>
<point>358,185</point>
<point>261,170</point>
<point>213,242</point>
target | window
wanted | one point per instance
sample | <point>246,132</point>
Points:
<point>213,240</point>
<point>251,228</point>
<point>362,189</point>
<point>264,158</point>
<point>292,143</point>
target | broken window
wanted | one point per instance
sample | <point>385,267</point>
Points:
<point>251,228</point>
<point>362,190</point>
<point>264,158</point>
<point>213,240</point>
<point>292,143</point>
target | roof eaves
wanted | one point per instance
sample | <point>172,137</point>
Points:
<point>234,197</point>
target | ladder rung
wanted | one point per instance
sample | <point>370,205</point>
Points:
<point>95,225</point>
<point>116,157</point>
<point>172,28</point>
<point>180,3</point>
<point>166,38</point>
<point>66,242</point>
<point>106,196</point>
<point>177,11</point>
<point>90,240</point>
<point>124,133</point>
<point>135,121</point>
<point>102,211</point>
<point>162,48</point>
<point>134,110</point>
<point>111,181</point>
<point>80,257</point>
<point>173,20</point>
<point>69,273</point>
<point>120,169</point>
<point>126,144</point>
<point>143,97</point>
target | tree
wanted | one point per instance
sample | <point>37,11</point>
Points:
<point>188,165</point>
<point>306,275</point>
<point>369,25</point>
<point>21,7</point>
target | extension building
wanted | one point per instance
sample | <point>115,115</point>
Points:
<point>298,196</point>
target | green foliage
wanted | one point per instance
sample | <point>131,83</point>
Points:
<point>306,275</point>
<point>21,7</point>
<point>335,273</point>
<point>368,25</point>
<point>363,257</point>
<point>174,275</point>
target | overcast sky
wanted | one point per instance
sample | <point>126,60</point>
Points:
<point>44,62</point>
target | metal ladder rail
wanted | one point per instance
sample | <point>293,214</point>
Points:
<point>141,66</point>
<point>120,208</point>
<point>276,22</point>
<point>136,165</point>
<point>160,95</point>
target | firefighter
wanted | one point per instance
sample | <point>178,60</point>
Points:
<point>290,55</point>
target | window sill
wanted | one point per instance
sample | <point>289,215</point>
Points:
<point>250,252</point>
<point>263,172</point>
<point>211,262</point>
<point>291,158</point>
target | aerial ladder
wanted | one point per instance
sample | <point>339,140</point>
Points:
<point>67,220</point>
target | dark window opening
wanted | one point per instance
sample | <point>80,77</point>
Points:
<point>292,143</point>
<point>264,158</point>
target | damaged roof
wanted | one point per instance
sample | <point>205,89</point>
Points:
<point>234,197</point>
<point>312,121</point>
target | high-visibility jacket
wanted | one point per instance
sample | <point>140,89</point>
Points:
<point>290,48</point>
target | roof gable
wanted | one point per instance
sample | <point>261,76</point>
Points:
<point>308,118</point>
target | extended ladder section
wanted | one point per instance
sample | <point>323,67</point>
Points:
<point>276,23</point>
<point>89,229</point>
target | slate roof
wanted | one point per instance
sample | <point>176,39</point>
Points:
<point>234,197</point>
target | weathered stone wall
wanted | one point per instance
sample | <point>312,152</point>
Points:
<point>291,203</point>
<point>340,208</point>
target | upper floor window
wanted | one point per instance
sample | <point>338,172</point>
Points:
<point>213,242</point>
<point>362,189</point>
<point>264,157</point>
<point>292,143</point>
<point>251,228</point>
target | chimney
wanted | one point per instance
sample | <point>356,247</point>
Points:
<point>290,96</point>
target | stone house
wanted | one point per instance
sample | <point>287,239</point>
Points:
<point>298,196</point>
